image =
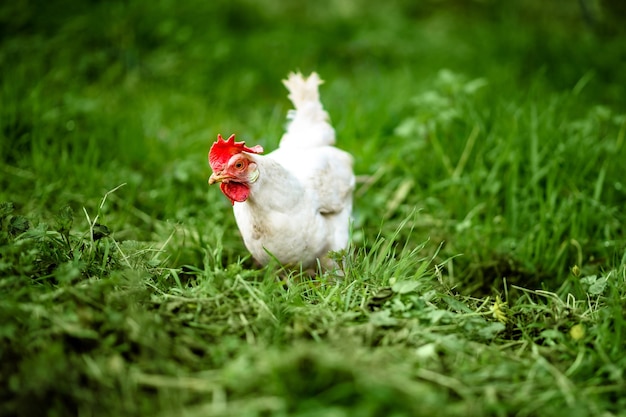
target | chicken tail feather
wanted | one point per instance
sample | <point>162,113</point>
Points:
<point>308,124</point>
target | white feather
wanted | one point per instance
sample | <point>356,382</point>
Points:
<point>300,206</point>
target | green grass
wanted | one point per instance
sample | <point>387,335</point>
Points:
<point>487,269</point>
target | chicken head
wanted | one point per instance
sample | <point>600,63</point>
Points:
<point>233,167</point>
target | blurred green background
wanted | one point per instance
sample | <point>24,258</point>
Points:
<point>488,139</point>
<point>100,93</point>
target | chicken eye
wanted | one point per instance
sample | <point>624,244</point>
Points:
<point>239,165</point>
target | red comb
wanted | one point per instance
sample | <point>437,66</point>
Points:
<point>222,150</point>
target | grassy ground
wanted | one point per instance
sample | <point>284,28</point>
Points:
<point>487,270</point>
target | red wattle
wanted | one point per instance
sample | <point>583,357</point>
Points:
<point>235,191</point>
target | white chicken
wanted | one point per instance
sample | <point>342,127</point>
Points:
<point>293,204</point>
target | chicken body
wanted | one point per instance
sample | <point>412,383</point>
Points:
<point>297,200</point>
<point>299,208</point>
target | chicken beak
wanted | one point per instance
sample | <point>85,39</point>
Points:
<point>217,177</point>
